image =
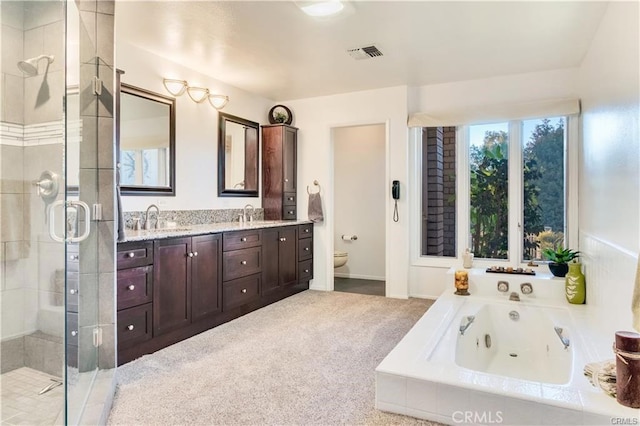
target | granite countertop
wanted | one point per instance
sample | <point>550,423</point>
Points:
<point>209,228</point>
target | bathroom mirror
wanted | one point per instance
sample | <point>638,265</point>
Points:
<point>237,156</point>
<point>145,137</point>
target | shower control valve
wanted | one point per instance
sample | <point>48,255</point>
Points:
<point>503,286</point>
<point>526,288</point>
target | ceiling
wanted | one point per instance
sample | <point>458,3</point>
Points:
<point>272,49</point>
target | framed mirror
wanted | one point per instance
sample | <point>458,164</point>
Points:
<point>145,134</point>
<point>238,168</point>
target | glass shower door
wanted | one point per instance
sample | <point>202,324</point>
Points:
<point>56,218</point>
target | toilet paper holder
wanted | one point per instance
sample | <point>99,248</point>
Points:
<point>349,237</point>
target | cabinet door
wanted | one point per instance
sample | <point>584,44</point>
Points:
<point>270,245</point>
<point>287,261</point>
<point>205,276</point>
<point>171,285</point>
<point>289,159</point>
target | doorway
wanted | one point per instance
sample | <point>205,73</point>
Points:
<point>359,164</point>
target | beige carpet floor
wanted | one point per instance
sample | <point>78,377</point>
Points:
<point>308,359</point>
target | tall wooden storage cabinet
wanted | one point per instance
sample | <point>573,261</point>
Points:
<point>279,171</point>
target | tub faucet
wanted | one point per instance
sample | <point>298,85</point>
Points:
<point>147,225</point>
<point>514,296</point>
<point>244,213</point>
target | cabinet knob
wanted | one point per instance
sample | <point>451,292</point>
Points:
<point>306,230</point>
<point>283,239</point>
<point>243,239</point>
<point>74,333</point>
<point>73,291</point>
<point>306,271</point>
<point>244,262</point>
<point>73,257</point>
<point>190,254</point>
<point>130,327</point>
<point>290,211</point>
<point>290,198</point>
<point>132,254</point>
<point>195,253</point>
<point>244,290</point>
<point>131,287</point>
<point>286,180</point>
<point>306,249</point>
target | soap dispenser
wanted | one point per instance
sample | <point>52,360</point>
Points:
<point>467,259</point>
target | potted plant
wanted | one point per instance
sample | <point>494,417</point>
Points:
<point>559,259</point>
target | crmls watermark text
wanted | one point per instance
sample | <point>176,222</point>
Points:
<point>483,417</point>
<point>625,421</point>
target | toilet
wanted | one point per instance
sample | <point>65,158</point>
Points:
<point>340,258</point>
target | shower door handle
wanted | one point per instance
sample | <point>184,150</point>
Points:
<point>87,220</point>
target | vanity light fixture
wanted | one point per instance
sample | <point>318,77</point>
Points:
<point>175,87</point>
<point>197,94</point>
<point>218,101</point>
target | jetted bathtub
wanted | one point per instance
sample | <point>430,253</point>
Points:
<point>485,359</point>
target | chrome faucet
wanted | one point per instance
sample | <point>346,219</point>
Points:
<point>514,296</point>
<point>244,213</point>
<point>147,225</point>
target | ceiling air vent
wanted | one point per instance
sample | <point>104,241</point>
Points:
<point>364,52</point>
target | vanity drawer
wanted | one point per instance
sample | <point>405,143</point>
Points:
<point>289,199</point>
<point>134,325</point>
<point>241,239</point>
<point>138,253</point>
<point>289,212</point>
<point>305,270</point>
<point>240,263</point>
<point>134,286</point>
<point>305,231</point>
<point>238,292</point>
<point>305,249</point>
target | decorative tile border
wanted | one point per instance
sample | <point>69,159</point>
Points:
<point>193,217</point>
<point>49,133</point>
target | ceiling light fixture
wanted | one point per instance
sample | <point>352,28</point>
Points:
<point>321,8</point>
<point>197,94</point>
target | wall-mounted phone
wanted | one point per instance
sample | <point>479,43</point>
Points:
<point>395,189</point>
<point>395,193</point>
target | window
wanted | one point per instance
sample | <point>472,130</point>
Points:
<point>144,167</point>
<point>543,185</point>
<point>513,202</point>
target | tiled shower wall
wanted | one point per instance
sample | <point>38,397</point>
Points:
<point>31,141</point>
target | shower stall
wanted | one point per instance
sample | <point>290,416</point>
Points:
<point>57,248</point>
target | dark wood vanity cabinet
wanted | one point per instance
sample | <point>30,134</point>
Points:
<point>279,252</point>
<point>186,281</point>
<point>279,171</point>
<point>173,288</point>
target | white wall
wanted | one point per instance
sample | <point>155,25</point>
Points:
<point>316,117</point>
<point>196,130</point>
<point>431,281</point>
<point>359,158</point>
<point>610,160</point>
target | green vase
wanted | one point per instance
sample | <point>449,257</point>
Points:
<point>574,286</point>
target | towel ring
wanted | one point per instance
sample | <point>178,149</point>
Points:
<point>315,182</point>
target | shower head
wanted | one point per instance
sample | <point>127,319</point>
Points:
<point>30,66</point>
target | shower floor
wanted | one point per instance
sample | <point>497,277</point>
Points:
<point>21,404</point>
